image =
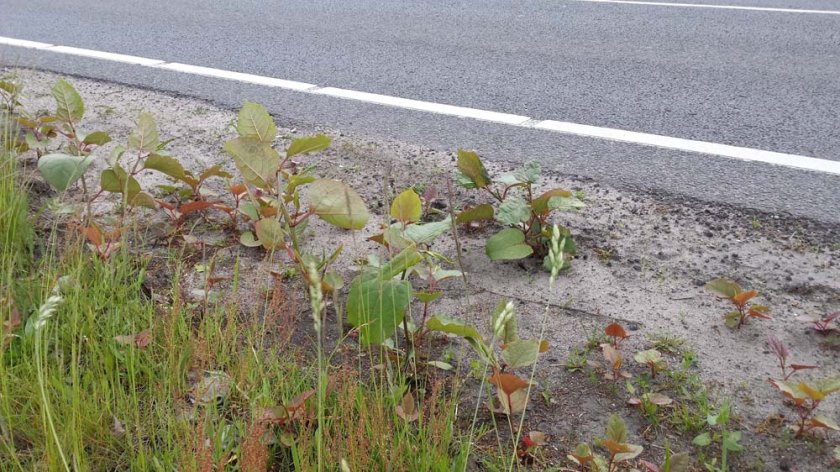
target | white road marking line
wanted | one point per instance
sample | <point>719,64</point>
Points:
<point>420,105</point>
<point>237,76</point>
<point>22,43</point>
<point>702,147</point>
<point>719,7</point>
<point>644,139</point>
<point>108,56</point>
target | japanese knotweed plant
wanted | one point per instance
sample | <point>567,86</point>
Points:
<point>518,205</point>
<point>806,397</point>
<point>616,444</point>
<point>739,297</point>
<point>275,207</point>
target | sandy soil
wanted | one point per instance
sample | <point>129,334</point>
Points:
<point>643,260</point>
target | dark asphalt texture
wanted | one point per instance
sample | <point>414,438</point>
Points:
<point>755,79</point>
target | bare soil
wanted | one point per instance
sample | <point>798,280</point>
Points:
<point>643,261</point>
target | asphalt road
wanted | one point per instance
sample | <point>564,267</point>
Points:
<point>764,80</point>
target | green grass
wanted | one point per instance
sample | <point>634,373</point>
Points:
<point>74,398</point>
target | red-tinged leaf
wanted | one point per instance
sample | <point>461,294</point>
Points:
<point>378,238</point>
<point>802,366</point>
<point>508,383</point>
<point>192,207</point>
<point>537,438</point>
<point>543,346</point>
<point>660,399</point>
<point>615,330</point>
<point>777,346</point>
<point>742,298</point>
<point>297,402</point>
<point>649,466</point>
<point>634,402</point>
<point>615,447</point>
<point>166,206</point>
<point>238,189</point>
<point>822,422</point>
<point>612,356</point>
<point>759,311</point>
<point>407,409</point>
<point>143,338</point>
<point>93,235</point>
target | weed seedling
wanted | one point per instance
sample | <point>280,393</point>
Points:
<point>651,358</point>
<point>617,333</point>
<point>719,433</point>
<point>806,397</point>
<point>782,353</point>
<point>614,441</point>
<point>739,297</point>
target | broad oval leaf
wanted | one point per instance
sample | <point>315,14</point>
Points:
<point>115,180</point>
<point>338,204</point>
<point>145,135</point>
<point>407,206</point>
<point>70,106</point>
<point>508,244</point>
<point>513,210</point>
<point>472,168</point>
<point>521,353</point>
<point>255,122</point>
<point>377,307</point>
<point>483,212</point>
<point>62,170</point>
<point>256,161</point>
<point>98,138</point>
<point>308,144</point>
<point>166,165</point>
<point>270,233</point>
<point>725,287</point>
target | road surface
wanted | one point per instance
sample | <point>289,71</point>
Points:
<point>763,78</point>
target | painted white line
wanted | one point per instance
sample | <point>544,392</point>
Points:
<point>108,56</point>
<point>420,105</point>
<point>702,147</point>
<point>237,76</point>
<point>644,139</point>
<point>22,43</point>
<point>719,7</point>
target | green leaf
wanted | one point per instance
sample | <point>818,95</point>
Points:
<point>62,170</point>
<point>483,212</point>
<point>529,173</point>
<point>406,259</point>
<point>521,353</point>
<point>116,180</point>
<point>270,233</point>
<point>428,297</point>
<point>702,440</point>
<point>508,244</point>
<point>540,204</point>
<point>296,181</point>
<point>308,144</point>
<point>256,161</point>
<point>565,203</point>
<point>70,106</point>
<point>513,210</point>
<point>679,462</point>
<point>407,206</point>
<point>98,138</point>
<point>145,135</point>
<point>471,167</point>
<point>255,122</point>
<point>632,452</point>
<point>377,307</point>
<point>650,356</point>
<point>731,319</point>
<point>426,233</point>
<point>250,210</point>
<point>166,165</point>
<point>725,287</point>
<point>338,204</point>
<point>730,441</point>
<point>616,429</point>
<point>142,199</point>
<point>441,365</point>
<point>448,324</point>
<point>249,240</point>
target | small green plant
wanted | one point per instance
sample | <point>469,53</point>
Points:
<point>679,462</point>
<point>519,207</point>
<point>615,443</point>
<point>648,402</point>
<point>739,297</point>
<point>806,397</point>
<point>651,358</point>
<point>273,185</point>
<point>719,433</point>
